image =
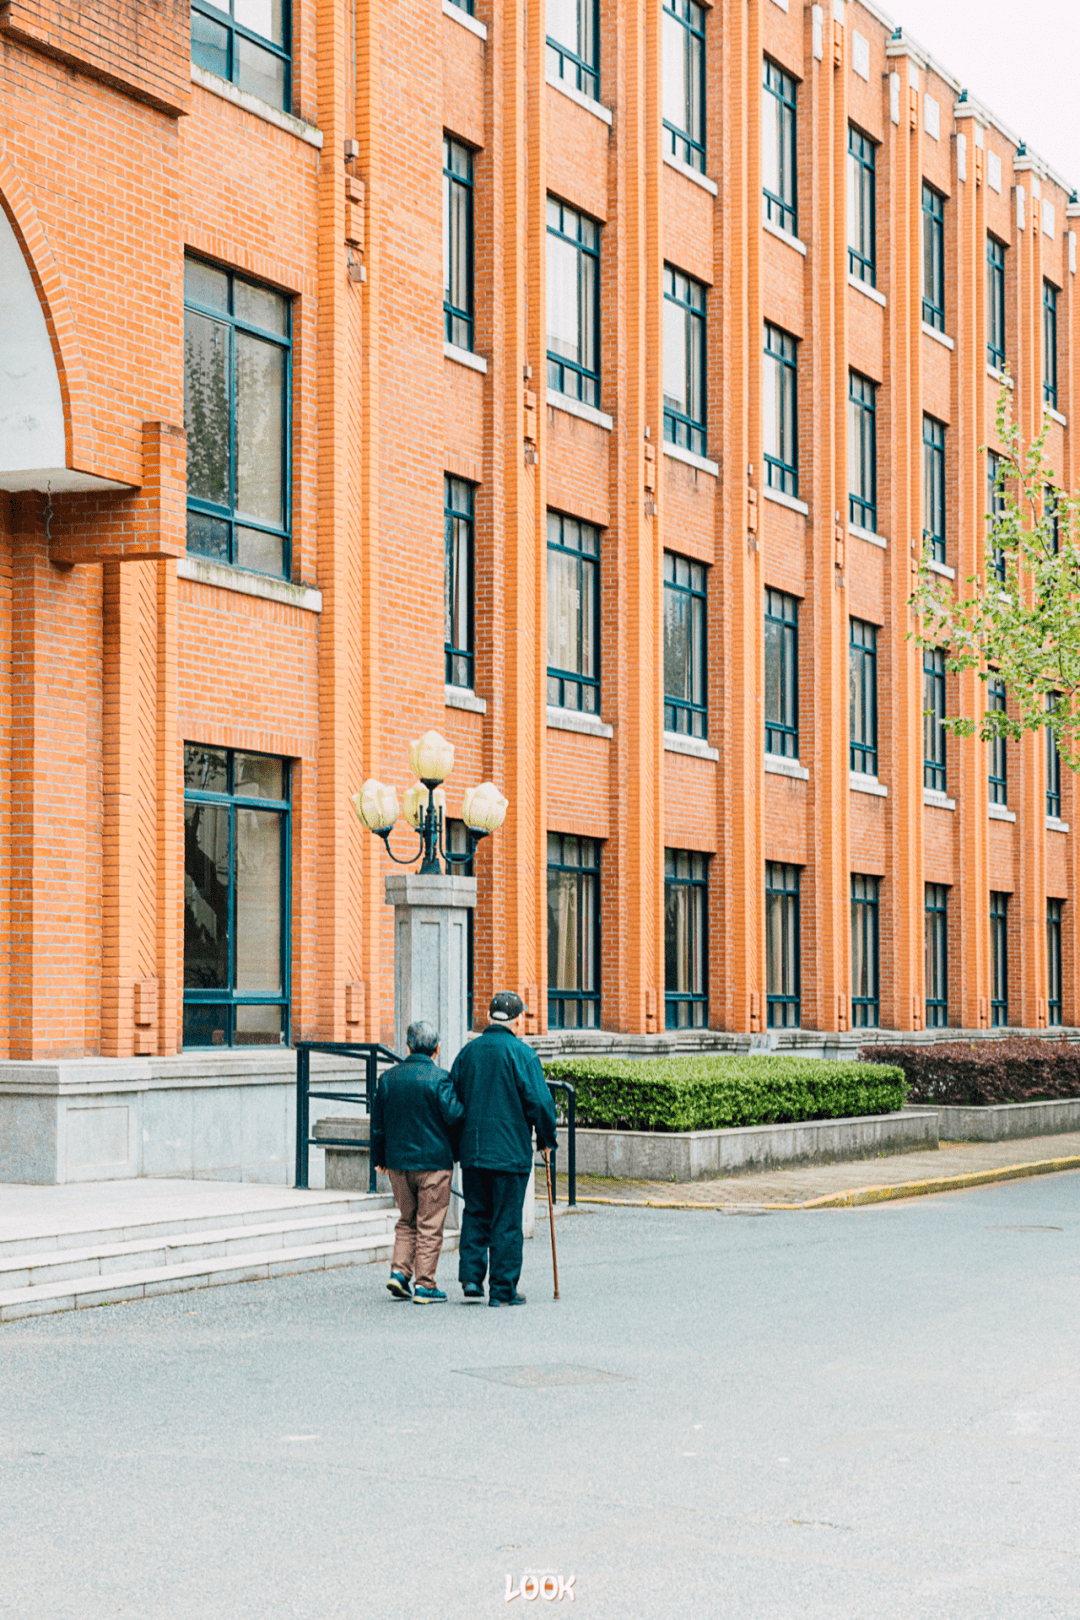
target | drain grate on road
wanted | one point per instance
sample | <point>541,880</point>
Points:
<point>546,1376</point>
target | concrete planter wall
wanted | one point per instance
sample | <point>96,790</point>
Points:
<point>699,1155</point>
<point>1000,1121</point>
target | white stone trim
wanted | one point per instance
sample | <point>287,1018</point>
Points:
<point>459,15</point>
<point>463,357</point>
<point>574,407</point>
<point>597,108</point>
<point>782,498</point>
<point>784,236</point>
<point>204,571</point>
<point>1055,824</point>
<point>691,173</point>
<point>861,783</point>
<point>702,463</point>
<point>463,697</point>
<point>1056,416</point>
<point>867,291</point>
<point>940,801</point>
<point>590,725</point>
<point>940,568</point>
<point>938,337</point>
<point>779,765</point>
<point>254,105</point>
<point>676,743</point>
<point>867,534</point>
<point>999,812</point>
<point>998,376</point>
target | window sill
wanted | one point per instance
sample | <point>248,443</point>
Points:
<point>597,108</point>
<point>1056,416</point>
<point>463,697</point>
<point>464,357</point>
<point>778,765</point>
<point>784,236</point>
<point>867,534</point>
<point>938,337</point>
<point>676,743</point>
<point>940,801</point>
<point>589,725</point>
<point>691,173</point>
<point>204,571</point>
<point>462,17</point>
<point>1055,824</point>
<point>998,376</point>
<point>940,568</point>
<point>867,291</point>
<point>218,86</point>
<point>861,783</point>
<point>702,463</point>
<point>999,812</point>
<point>781,499</point>
<point>574,407</point>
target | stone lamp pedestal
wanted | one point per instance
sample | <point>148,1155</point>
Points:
<point>431,955</point>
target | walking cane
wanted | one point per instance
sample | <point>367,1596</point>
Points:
<point>551,1221</point>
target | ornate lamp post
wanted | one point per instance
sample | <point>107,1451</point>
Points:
<point>483,808</point>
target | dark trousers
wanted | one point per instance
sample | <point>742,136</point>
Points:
<point>492,1222</point>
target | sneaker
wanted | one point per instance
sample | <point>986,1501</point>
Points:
<point>518,1299</point>
<point>427,1296</point>
<point>473,1290</point>
<point>399,1285</point>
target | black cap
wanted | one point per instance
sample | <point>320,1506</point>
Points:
<point>506,1006</point>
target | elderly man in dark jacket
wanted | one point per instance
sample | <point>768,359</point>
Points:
<point>501,1085</point>
<point>415,1116</point>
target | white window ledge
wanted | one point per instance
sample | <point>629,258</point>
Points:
<point>867,291</point>
<point>461,16</point>
<point>590,725</point>
<point>940,801</point>
<point>784,236</point>
<point>702,463</point>
<point>999,376</point>
<point>254,105</point>
<point>1056,416</point>
<point>861,783</point>
<point>998,812</point>
<point>1055,824</point>
<point>938,337</point>
<point>676,743</point>
<point>940,568</point>
<point>463,697</point>
<point>597,108</point>
<point>574,407</point>
<point>778,765</point>
<point>203,571</point>
<point>782,499</point>
<point>867,534</point>
<point>464,357</point>
<point>691,173</point>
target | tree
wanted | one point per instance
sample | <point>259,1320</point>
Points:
<point>1019,621</point>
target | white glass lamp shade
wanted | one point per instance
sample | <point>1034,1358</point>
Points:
<point>415,804</point>
<point>483,808</point>
<point>376,805</point>
<point>431,757</point>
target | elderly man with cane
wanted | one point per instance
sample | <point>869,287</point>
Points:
<point>501,1085</point>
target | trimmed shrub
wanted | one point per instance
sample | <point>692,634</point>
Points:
<point>706,1093</point>
<point>966,1074</point>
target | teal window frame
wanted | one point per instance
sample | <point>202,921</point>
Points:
<point>782,205</point>
<point>781,411</point>
<point>459,574</point>
<point>467,7</point>
<point>683,27</point>
<point>862,451</point>
<point>580,67</point>
<point>458,843</point>
<point>865,951</point>
<point>934,736</point>
<point>936,902</point>
<point>995,303</point>
<point>934,505</point>
<point>576,864</point>
<point>997,751</point>
<point>863,707</point>
<point>686,698</point>
<point>933,258</point>
<point>579,542</point>
<point>783,946</point>
<point>1053,766</point>
<point>999,959</point>
<point>686,297</point>
<point>781,674</point>
<point>1050,344</point>
<point>459,314</point>
<point>995,508</point>
<point>579,380</point>
<point>205,16</point>
<point>686,939</point>
<point>862,206</point>
<point>1055,910</point>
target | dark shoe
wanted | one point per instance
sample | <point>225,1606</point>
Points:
<point>427,1296</point>
<point>473,1290</point>
<point>399,1285</point>
<point>518,1299</point>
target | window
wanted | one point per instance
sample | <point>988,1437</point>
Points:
<point>780,408</point>
<point>862,676</point>
<point>246,42</point>
<point>933,258</point>
<point>937,956</point>
<point>862,451</point>
<point>933,487</point>
<point>1052,514</point>
<point>861,207</point>
<point>457,243</point>
<point>684,81</point>
<point>684,361</point>
<point>573,614</point>
<point>995,507</point>
<point>865,975</point>
<point>934,719</point>
<point>458,523</point>
<point>686,939</point>
<point>1050,345</point>
<point>999,779</point>
<point>782,946</point>
<point>778,148</point>
<point>999,959</point>
<point>1054,910</point>
<point>1053,766</point>
<point>781,674</point>
<point>573,44</point>
<point>236,898</point>
<point>466,6</point>
<point>995,303</point>
<point>573,890</point>
<point>573,303</point>
<point>458,844</point>
<point>685,689</point>
<point>236,411</point>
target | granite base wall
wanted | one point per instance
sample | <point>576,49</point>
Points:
<point>1001,1121</point>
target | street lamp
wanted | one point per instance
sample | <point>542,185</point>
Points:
<point>483,808</point>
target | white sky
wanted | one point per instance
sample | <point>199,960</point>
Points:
<point>1019,61</point>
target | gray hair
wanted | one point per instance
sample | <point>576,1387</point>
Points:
<point>422,1037</point>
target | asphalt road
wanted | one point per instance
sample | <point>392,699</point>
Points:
<point>845,1414</point>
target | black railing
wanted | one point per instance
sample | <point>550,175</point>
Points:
<point>571,1143</point>
<point>366,1052</point>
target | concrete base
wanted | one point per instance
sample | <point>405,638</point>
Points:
<point>1000,1121</point>
<point>703,1155</point>
<point>814,1043</point>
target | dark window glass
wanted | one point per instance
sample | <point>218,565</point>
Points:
<point>995,507</point>
<point>933,463</point>
<point>248,43</point>
<point>684,81</point>
<point>573,897</point>
<point>458,844</point>
<point>783,973</point>
<point>778,148</point>
<point>862,205</point>
<point>686,939</point>
<point>933,258</point>
<point>995,303</point>
<point>573,304</point>
<point>1053,767</point>
<point>934,719</point>
<point>573,44</point>
<point>685,687</point>
<point>1050,344</point>
<point>862,451</point>
<point>684,361</point>
<point>780,417</point>
<point>999,959</point>
<point>865,973</point>
<point>1052,514</point>
<point>862,674</point>
<point>457,243</point>
<point>998,758</point>
<point>458,521</point>
<point>1054,911</point>
<point>573,614</point>
<point>466,6</point>
<point>937,956</point>
<point>781,674</point>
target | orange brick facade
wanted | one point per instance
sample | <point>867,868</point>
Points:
<point>116,160</point>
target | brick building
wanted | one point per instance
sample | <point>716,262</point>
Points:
<point>592,414</point>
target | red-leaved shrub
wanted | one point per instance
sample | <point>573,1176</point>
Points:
<point>968,1074</point>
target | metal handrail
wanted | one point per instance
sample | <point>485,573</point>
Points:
<point>368,1051</point>
<point>571,1143</point>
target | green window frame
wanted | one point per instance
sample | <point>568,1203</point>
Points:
<point>683,46</point>
<point>458,843</point>
<point>995,508</point>
<point>467,7</point>
<point>573,303</point>
<point>933,258</point>
<point>259,63</point>
<point>995,303</point>
<point>573,614</point>
<point>865,952</point>
<point>933,469</point>
<point>781,674</point>
<point>686,689</point>
<point>999,959</point>
<point>1054,1000</point>
<point>459,525</point>
<point>237,412</point>
<point>1053,765</point>
<point>934,776</point>
<point>997,751</point>
<point>237,848</point>
<point>684,361</point>
<point>686,939</point>
<point>863,706</point>
<point>780,409</point>
<point>573,902</point>
<point>783,964</point>
<point>458,248</point>
<point>862,451</point>
<point>862,206</point>
<point>573,44</point>
<point>937,955</point>
<point>1050,344</point>
<point>779,149</point>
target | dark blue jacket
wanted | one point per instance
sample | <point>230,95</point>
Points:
<point>415,1117</point>
<point>501,1084</point>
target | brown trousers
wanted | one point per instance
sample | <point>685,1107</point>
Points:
<point>423,1198</point>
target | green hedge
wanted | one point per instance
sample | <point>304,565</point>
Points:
<point>706,1093</point>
